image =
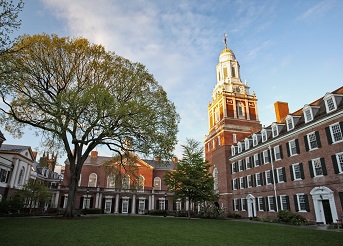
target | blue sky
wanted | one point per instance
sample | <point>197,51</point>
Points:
<point>288,50</point>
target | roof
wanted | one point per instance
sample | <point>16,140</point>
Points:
<point>13,148</point>
<point>160,165</point>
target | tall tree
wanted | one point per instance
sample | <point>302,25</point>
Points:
<point>78,96</point>
<point>192,179</point>
<point>9,22</point>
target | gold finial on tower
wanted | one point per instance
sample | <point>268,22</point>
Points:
<point>225,44</point>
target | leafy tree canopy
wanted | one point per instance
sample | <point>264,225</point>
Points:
<point>77,96</point>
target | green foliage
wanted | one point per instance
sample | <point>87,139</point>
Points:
<point>12,205</point>
<point>287,217</point>
<point>192,179</point>
<point>234,216</point>
<point>157,212</point>
<point>211,211</point>
<point>91,211</point>
<point>76,95</point>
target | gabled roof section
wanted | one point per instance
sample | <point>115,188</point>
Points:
<point>24,151</point>
<point>160,165</point>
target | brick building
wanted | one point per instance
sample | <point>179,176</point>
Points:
<point>294,164</point>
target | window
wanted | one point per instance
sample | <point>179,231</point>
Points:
<point>140,183</point>
<point>241,182</point>
<point>271,203</point>
<point>338,162</point>
<point>125,206</point>
<point>275,130</point>
<point>269,178</point>
<point>216,115</point>
<point>141,206</point>
<point>246,143</point>
<point>239,146</point>
<point>301,203</point>
<point>111,181</point>
<point>243,204</point>
<point>233,151</point>
<point>240,109</point>
<point>249,181</point>
<point>330,103</point>
<point>265,157</point>
<point>293,147</point>
<point>312,141</point>
<point>4,175</point>
<point>240,165</point>
<point>290,125</point>
<point>284,202</point>
<point>233,167</point>
<point>235,204</point>
<point>86,202</point>
<point>126,182</point>
<point>280,175</point>
<point>260,203</point>
<point>162,204</point>
<point>297,171</point>
<point>234,138</point>
<point>254,140</point>
<point>234,184</point>
<point>247,163</point>
<point>334,133</point>
<point>308,115</point>
<point>256,160</point>
<point>316,167</point>
<point>92,180</point>
<point>277,153</point>
<point>258,179</point>
<point>21,176</point>
<point>264,135</point>
<point>157,183</point>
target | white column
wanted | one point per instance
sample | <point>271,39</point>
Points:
<point>97,198</point>
<point>133,210</point>
<point>14,172</point>
<point>56,199</point>
<point>116,209</point>
<point>247,111</point>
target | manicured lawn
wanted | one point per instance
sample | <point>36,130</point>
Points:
<point>146,230</point>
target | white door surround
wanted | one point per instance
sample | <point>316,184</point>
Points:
<point>319,194</point>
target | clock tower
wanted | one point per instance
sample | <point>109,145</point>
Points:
<point>232,116</point>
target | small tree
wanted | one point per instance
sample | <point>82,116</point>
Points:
<point>35,192</point>
<point>192,179</point>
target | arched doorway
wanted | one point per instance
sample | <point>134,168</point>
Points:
<point>324,205</point>
<point>251,206</point>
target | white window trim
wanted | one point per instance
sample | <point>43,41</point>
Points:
<point>309,142</point>
<point>256,157</point>
<point>340,169</point>
<point>233,166</point>
<point>289,118</point>
<point>314,169</point>
<point>254,140</point>
<point>277,172</point>
<point>265,155</point>
<point>90,184</point>
<point>281,204</point>
<point>259,176</point>
<point>264,135</point>
<point>243,202</point>
<point>248,183</point>
<point>241,183</point>
<point>294,176</point>
<point>236,204</point>
<point>158,186</point>
<point>298,202</point>
<point>277,148</point>
<point>305,109</point>
<point>269,208</point>
<point>266,177</point>
<point>239,147</point>
<point>332,137</point>
<point>233,150</point>
<point>260,198</point>
<point>290,148</point>
<point>247,161</point>
<point>275,128</point>
<point>328,97</point>
<point>240,165</point>
<point>246,143</point>
<point>234,184</point>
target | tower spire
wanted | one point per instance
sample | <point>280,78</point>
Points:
<point>225,44</point>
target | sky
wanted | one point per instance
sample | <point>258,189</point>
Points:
<point>289,51</point>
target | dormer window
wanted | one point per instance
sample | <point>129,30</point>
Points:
<point>239,145</point>
<point>233,151</point>
<point>275,130</point>
<point>254,140</point>
<point>264,135</point>
<point>330,103</point>
<point>308,114</point>
<point>246,143</point>
<point>290,123</point>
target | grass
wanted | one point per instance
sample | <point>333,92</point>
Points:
<point>146,230</point>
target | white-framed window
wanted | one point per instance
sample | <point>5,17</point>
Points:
<point>217,115</point>
<point>330,103</point>
<point>277,153</point>
<point>240,109</point>
<point>21,176</point>
<point>247,163</point>
<point>126,182</point>
<point>141,206</point>
<point>312,141</point>
<point>265,157</point>
<point>308,114</point>
<point>125,206</point>
<point>338,162</point>
<point>157,183</point>
<point>234,184</point>
<point>284,202</point>
<point>233,167</point>
<point>280,172</point>
<point>233,150</point>
<point>111,181</point>
<point>246,143</point>
<point>254,140</point>
<point>162,204</point>
<point>260,203</point>
<point>241,183</point>
<point>275,130</point>
<point>256,160</point>
<point>92,180</point>
<point>4,176</point>
<point>297,171</point>
<point>240,165</point>
<point>268,177</point>
<point>264,135</point>
<point>336,133</point>
<point>243,204</point>
<point>86,202</point>
<point>249,181</point>
<point>293,148</point>
<point>258,179</point>
<point>140,183</point>
<point>235,204</point>
<point>301,202</point>
<point>239,147</point>
<point>289,122</point>
<point>271,203</point>
<point>317,167</point>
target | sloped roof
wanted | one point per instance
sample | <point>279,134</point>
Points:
<point>13,148</point>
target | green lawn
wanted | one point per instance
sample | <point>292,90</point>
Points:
<point>146,230</point>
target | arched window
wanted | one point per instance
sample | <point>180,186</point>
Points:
<point>92,180</point>
<point>140,183</point>
<point>215,179</point>
<point>157,183</point>
<point>126,182</point>
<point>111,181</point>
<point>240,109</point>
<point>21,176</point>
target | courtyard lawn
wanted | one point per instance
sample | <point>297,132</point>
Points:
<point>146,230</point>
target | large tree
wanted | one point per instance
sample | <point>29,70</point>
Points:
<point>79,96</point>
<point>192,179</point>
<point>9,22</point>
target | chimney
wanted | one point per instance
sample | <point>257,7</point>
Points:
<point>94,154</point>
<point>281,110</point>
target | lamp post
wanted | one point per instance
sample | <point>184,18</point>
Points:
<point>165,204</point>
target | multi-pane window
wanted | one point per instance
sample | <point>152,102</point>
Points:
<point>264,135</point>
<point>297,171</point>
<point>246,143</point>
<point>312,141</point>
<point>271,203</point>
<point>157,183</point>
<point>233,150</point>
<point>277,153</point>
<point>280,175</point>
<point>239,145</point>
<point>292,147</point>
<point>243,204</point>
<point>240,165</point>
<point>256,160</point>
<point>308,115</point>
<point>235,204</point>
<point>275,130</point>
<point>290,124</point>
<point>260,203</point>
<point>111,181</point>
<point>241,182</point>
<point>234,184</point>
<point>249,181</point>
<point>258,179</point>
<point>338,161</point>
<point>301,202</point>
<point>3,175</point>
<point>92,180</point>
<point>268,177</point>
<point>218,139</point>
<point>254,140</point>
<point>126,182</point>
<point>317,167</point>
<point>247,163</point>
<point>86,203</point>
<point>265,157</point>
<point>284,202</point>
<point>336,133</point>
<point>233,167</point>
<point>330,104</point>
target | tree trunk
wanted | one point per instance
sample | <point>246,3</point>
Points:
<point>70,209</point>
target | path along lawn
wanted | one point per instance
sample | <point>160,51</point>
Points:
<point>146,230</point>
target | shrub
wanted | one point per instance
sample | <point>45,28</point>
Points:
<point>11,206</point>
<point>234,216</point>
<point>211,212</point>
<point>287,217</point>
<point>157,212</point>
<point>91,211</point>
